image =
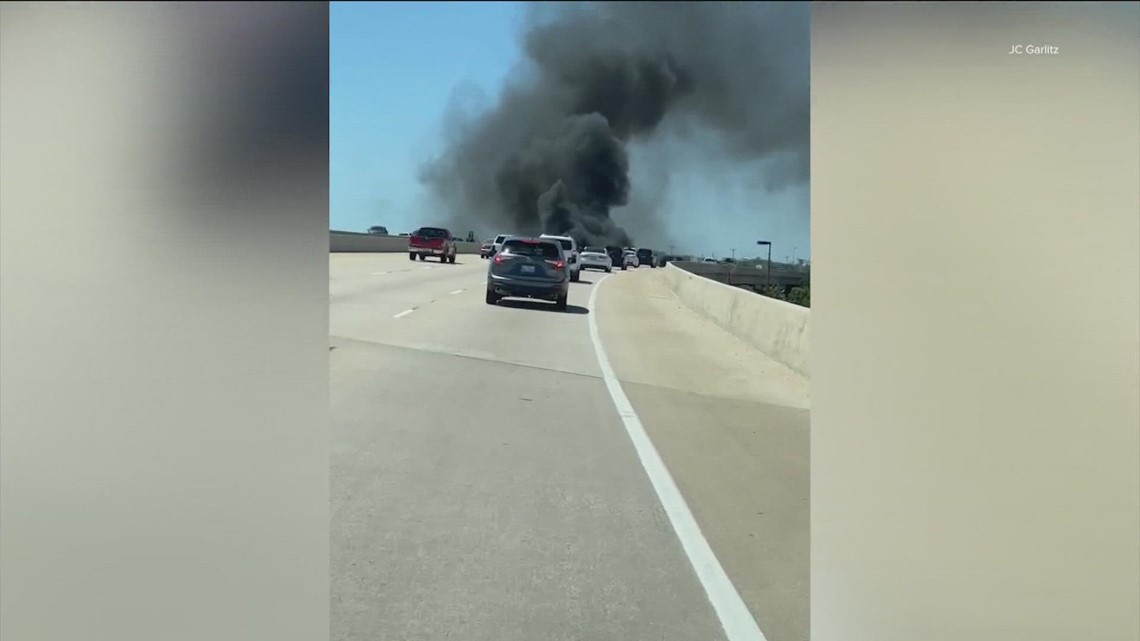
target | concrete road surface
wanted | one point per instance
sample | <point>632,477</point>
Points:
<point>485,488</point>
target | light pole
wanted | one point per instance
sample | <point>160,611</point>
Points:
<point>734,254</point>
<point>768,275</point>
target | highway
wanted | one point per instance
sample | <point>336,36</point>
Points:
<point>486,487</point>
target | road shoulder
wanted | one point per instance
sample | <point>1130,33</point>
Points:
<point>732,426</point>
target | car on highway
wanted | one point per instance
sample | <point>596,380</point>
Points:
<point>629,259</point>
<point>529,268</point>
<point>570,249</point>
<point>378,230</point>
<point>596,258</point>
<point>645,257</point>
<point>497,244</point>
<point>486,247</point>
<point>708,260</point>
<point>432,241</point>
<point>615,254</point>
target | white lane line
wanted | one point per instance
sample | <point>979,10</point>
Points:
<point>458,291</point>
<point>737,621</point>
<point>426,267</point>
<point>379,273</point>
<point>404,313</point>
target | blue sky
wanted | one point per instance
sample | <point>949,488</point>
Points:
<point>394,67</point>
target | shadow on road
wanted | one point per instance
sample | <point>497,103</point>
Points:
<point>540,306</point>
<point>583,281</point>
<point>435,261</point>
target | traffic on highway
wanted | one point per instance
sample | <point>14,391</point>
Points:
<point>540,267</point>
<point>560,432</point>
<point>518,455</point>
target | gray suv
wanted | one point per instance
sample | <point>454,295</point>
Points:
<point>529,268</point>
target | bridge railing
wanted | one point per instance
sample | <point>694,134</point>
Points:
<point>347,241</point>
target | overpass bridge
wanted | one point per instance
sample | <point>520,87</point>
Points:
<point>581,466</point>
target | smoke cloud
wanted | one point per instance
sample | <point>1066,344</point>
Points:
<point>550,156</point>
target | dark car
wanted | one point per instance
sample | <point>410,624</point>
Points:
<point>529,268</point>
<point>645,257</point>
<point>616,254</point>
<point>432,241</point>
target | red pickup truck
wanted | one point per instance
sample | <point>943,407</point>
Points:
<point>432,241</point>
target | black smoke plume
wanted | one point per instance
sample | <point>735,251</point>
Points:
<point>550,156</point>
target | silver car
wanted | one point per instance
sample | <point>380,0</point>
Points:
<point>529,268</point>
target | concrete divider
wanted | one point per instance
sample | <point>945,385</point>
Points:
<point>346,241</point>
<point>775,327</point>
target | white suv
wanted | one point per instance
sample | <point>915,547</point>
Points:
<point>570,248</point>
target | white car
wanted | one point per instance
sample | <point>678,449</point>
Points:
<point>629,259</point>
<point>570,249</point>
<point>596,258</point>
<point>497,244</point>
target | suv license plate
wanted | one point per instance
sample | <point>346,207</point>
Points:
<point>528,269</point>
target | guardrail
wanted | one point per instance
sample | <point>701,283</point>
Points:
<point>777,328</point>
<point>347,241</point>
<point>738,274</point>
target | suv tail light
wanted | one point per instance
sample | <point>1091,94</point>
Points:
<point>498,259</point>
<point>557,264</point>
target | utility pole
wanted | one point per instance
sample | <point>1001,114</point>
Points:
<point>768,275</point>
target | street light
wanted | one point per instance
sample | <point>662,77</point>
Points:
<point>734,254</point>
<point>768,276</point>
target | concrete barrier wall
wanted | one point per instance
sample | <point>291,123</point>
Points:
<point>744,275</point>
<point>343,241</point>
<point>777,328</point>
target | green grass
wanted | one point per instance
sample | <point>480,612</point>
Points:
<point>797,295</point>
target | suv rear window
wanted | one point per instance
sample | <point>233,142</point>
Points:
<point>431,232</point>
<point>594,250</point>
<point>540,249</point>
